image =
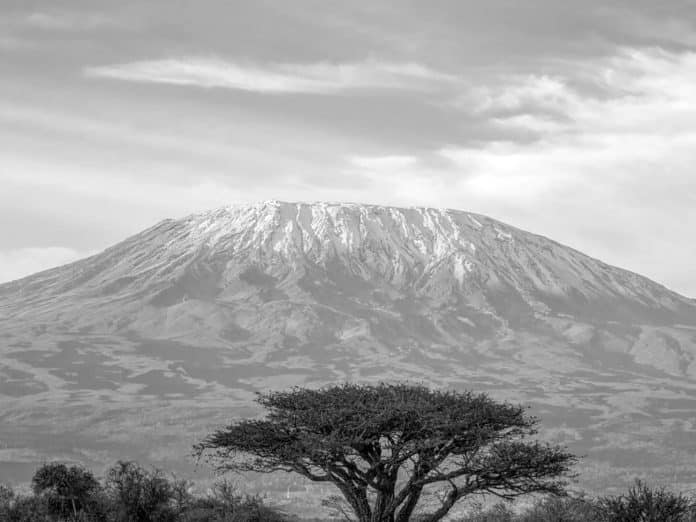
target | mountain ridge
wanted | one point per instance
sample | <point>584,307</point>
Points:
<point>355,205</point>
<point>167,221</point>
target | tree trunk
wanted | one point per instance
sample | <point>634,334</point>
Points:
<point>357,499</point>
<point>409,505</point>
<point>383,510</point>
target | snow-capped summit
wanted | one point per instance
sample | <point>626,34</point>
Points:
<point>426,253</point>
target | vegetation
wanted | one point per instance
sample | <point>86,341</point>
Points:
<point>133,494</point>
<point>384,445</point>
<point>381,446</point>
<point>641,503</point>
<point>66,491</point>
<point>129,493</point>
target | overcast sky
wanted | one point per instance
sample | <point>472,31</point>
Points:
<point>575,120</point>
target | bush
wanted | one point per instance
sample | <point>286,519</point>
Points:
<point>25,509</point>
<point>226,504</point>
<point>499,513</point>
<point>562,509</point>
<point>644,504</point>
<point>640,504</point>
<point>139,495</point>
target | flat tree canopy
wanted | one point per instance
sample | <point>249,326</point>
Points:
<point>382,445</point>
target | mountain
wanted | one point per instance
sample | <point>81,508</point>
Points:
<point>141,349</point>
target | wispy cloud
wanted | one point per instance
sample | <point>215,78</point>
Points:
<point>515,94</point>
<point>314,78</point>
<point>68,21</point>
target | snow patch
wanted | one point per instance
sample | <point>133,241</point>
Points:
<point>502,235</point>
<point>475,221</point>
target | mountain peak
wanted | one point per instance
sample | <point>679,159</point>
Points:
<point>441,254</point>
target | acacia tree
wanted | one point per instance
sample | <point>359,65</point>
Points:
<point>383,445</point>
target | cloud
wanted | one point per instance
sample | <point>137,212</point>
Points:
<point>643,127</point>
<point>517,93</point>
<point>313,78</point>
<point>68,21</point>
<point>17,263</point>
<point>609,171</point>
<point>382,162</point>
<point>11,43</point>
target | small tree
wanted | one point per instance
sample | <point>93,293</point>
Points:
<point>67,489</point>
<point>383,445</point>
<point>139,495</point>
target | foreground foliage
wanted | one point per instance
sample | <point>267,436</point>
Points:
<point>641,503</point>
<point>129,493</point>
<point>386,448</point>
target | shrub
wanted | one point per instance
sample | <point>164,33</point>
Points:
<point>498,513</point>
<point>139,495</point>
<point>6,497</point>
<point>226,504</point>
<point>562,509</point>
<point>645,504</point>
<point>25,509</point>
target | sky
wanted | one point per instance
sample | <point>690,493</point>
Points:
<point>574,120</point>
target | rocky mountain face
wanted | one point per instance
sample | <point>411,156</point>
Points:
<point>142,348</point>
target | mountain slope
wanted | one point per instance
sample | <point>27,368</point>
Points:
<point>184,321</point>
